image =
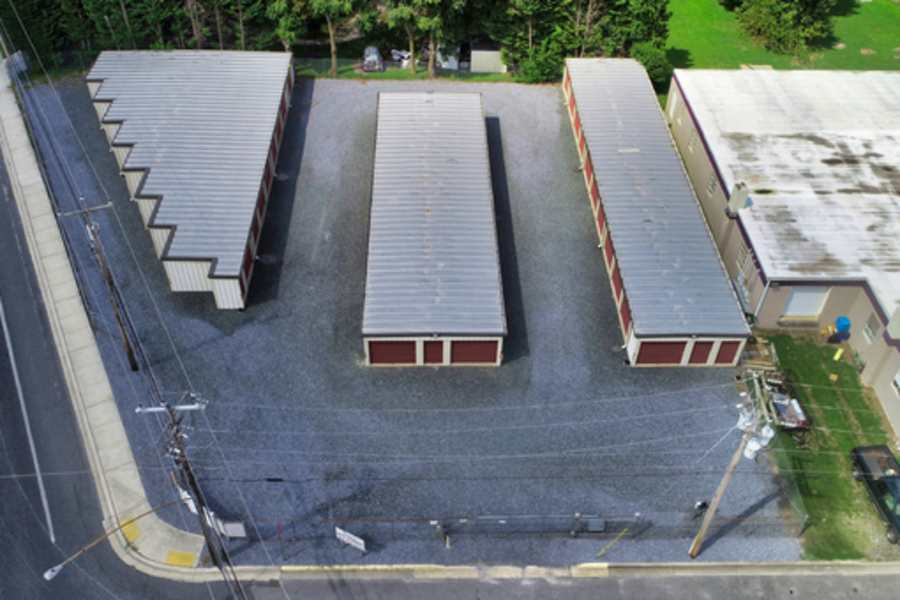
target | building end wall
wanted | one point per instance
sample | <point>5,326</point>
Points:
<point>481,351</point>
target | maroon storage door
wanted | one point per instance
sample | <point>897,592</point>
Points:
<point>473,352</point>
<point>661,353</point>
<point>727,352</point>
<point>434,353</point>
<point>392,353</point>
<point>625,314</point>
<point>700,353</point>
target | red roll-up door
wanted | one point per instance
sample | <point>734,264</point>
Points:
<point>727,352</point>
<point>434,352</point>
<point>608,249</point>
<point>700,353</point>
<point>617,282</point>
<point>595,199</point>
<point>473,352</point>
<point>625,314</point>
<point>572,104</point>
<point>601,218</point>
<point>660,353</point>
<point>392,353</point>
<point>588,167</point>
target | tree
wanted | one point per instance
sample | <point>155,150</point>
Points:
<point>630,22</point>
<point>288,23</point>
<point>336,13</point>
<point>786,27</point>
<point>401,14</point>
<point>655,61</point>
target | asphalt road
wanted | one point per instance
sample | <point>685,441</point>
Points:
<point>25,548</point>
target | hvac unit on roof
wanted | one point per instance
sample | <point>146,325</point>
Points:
<point>739,198</point>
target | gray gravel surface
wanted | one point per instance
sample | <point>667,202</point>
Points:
<point>298,436</point>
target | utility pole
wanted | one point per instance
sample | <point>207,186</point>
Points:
<point>714,504</point>
<point>188,480</point>
<point>710,513</point>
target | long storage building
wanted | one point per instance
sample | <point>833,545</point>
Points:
<point>433,287</point>
<point>197,135</point>
<point>675,303</point>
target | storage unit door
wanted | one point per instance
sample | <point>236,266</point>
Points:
<point>392,353</point>
<point>434,353</point>
<point>660,353</point>
<point>473,352</point>
<point>700,353</point>
<point>727,352</point>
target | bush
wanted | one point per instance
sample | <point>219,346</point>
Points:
<point>543,62</point>
<point>656,62</point>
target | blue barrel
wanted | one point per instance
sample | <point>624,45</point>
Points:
<point>842,325</point>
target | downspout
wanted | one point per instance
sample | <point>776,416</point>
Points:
<point>761,300</point>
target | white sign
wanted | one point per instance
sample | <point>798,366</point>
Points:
<point>350,539</point>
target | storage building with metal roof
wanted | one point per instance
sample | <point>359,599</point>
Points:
<point>197,136</point>
<point>434,294</point>
<point>675,303</point>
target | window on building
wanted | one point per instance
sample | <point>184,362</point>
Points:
<point>872,328</point>
<point>806,302</point>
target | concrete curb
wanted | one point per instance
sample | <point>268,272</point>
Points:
<point>154,547</point>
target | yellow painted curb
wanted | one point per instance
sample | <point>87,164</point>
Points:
<point>177,558</point>
<point>131,531</point>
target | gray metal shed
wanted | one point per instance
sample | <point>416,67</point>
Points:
<point>197,136</point>
<point>676,305</point>
<point>433,286</point>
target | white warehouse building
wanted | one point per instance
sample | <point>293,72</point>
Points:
<point>196,135</point>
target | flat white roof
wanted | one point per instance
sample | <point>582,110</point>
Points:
<point>820,153</point>
<point>200,123</point>
<point>434,266</point>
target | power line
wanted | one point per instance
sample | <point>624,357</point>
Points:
<point>475,409</point>
<point>140,271</point>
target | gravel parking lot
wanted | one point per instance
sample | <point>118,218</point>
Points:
<point>299,436</point>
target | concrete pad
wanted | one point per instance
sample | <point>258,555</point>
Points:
<point>51,248</point>
<point>86,359</point>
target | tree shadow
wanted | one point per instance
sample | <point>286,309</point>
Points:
<point>842,8</point>
<point>680,58</point>
<point>273,240</point>
<point>516,343</point>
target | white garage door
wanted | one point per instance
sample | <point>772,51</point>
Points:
<point>806,302</point>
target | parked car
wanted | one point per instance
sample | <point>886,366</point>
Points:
<point>372,60</point>
<point>878,469</point>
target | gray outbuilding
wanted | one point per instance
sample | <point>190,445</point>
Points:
<point>433,287</point>
<point>676,305</point>
<point>197,135</point>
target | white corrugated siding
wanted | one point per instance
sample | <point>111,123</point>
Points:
<point>227,293</point>
<point>188,275</point>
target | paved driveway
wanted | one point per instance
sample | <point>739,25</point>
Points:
<point>300,436</point>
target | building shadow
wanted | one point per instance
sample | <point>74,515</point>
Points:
<point>516,343</point>
<point>276,229</point>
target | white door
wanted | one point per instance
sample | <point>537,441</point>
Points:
<point>806,302</point>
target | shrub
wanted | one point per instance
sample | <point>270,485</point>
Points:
<point>786,27</point>
<point>656,62</point>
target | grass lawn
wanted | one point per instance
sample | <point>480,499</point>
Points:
<point>703,34</point>
<point>842,522</point>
